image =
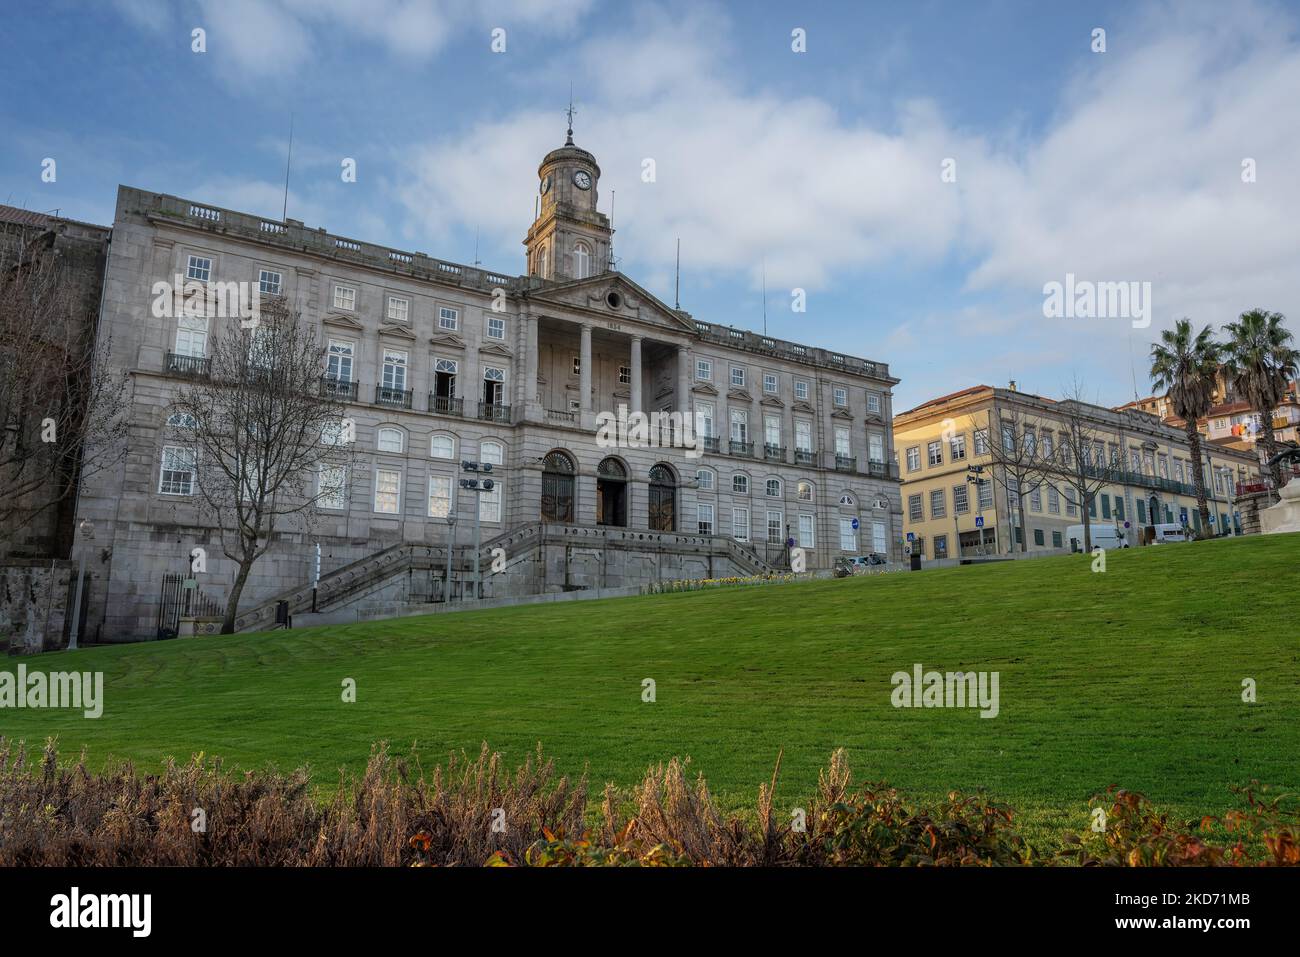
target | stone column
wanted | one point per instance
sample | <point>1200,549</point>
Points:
<point>530,367</point>
<point>636,376</point>
<point>584,378</point>
<point>681,401</point>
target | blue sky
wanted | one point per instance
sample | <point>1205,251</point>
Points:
<point>823,166</point>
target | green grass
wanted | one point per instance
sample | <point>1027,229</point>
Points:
<point>1130,677</point>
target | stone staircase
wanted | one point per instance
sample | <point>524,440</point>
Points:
<point>354,582</point>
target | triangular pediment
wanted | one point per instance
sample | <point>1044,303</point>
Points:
<point>631,303</point>
<point>704,389</point>
<point>448,341</point>
<point>342,322</point>
<point>842,414</point>
<point>773,401</point>
<point>393,331</point>
<point>799,405</point>
<point>740,394</point>
<point>495,350</point>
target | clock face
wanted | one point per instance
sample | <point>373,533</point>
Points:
<point>546,185</point>
<point>582,179</point>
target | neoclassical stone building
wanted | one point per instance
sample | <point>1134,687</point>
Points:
<point>441,363</point>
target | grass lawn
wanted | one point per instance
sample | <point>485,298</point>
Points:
<point>1130,677</point>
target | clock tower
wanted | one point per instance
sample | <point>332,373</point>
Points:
<point>570,239</point>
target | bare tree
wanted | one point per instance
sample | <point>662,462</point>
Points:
<point>1081,462</point>
<point>268,441</point>
<point>1016,462</point>
<point>62,409</point>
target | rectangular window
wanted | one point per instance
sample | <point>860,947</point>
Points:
<point>1053,500</point>
<point>873,403</point>
<point>1056,539</point>
<point>448,318</point>
<point>1119,508</point>
<point>938,504</point>
<point>1071,506</point>
<point>199,268</point>
<point>624,375</point>
<point>981,441</point>
<point>739,425</point>
<point>879,538</point>
<point>1038,537</point>
<point>388,491</point>
<point>192,336</point>
<point>914,513</point>
<point>875,447</point>
<point>957,448</point>
<point>934,451</point>
<point>496,327</point>
<point>339,366</point>
<point>177,474</point>
<point>840,396</point>
<point>345,297</point>
<point>803,436</point>
<point>775,527</point>
<point>769,383</point>
<point>704,370</point>
<point>331,487</point>
<point>738,377</point>
<point>848,536</point>
<point>740,524</point>
<point>439,496</point>
<point>960,501</point>
<point>941,546</point>
<point>399,309</point>
<point>772,430</point>
<point>807,539</point>
<point>489,503</point>
<point>704,419</point>
<point>395,370</point>
<point>1105,506</point>
<point>1036,500</point>
<point>914,458</point>
<point>842,442</point>
<point>1008,437</point>
<point>1047,444</point>
<point>704,518</point>
<point>986,494</point>
<point>269,282</point>
<point>801,390</point>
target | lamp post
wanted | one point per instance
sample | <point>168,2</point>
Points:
<point>478,486</point>
<point>973,473</point>
<point>451,550</point>
<point>87,529</point>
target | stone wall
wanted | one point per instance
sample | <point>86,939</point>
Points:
<point>35,605</point>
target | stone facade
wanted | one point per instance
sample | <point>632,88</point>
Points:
<point>442,362</point>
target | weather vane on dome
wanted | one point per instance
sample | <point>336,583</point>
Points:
<point>570,112</point>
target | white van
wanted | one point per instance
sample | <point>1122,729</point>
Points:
<point>1169,533</point>
<point>1102,536</point>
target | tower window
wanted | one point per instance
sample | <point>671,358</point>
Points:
<point>581,260</point>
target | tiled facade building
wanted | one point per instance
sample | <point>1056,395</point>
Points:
<point>441,363</point>
<point>938,441</point>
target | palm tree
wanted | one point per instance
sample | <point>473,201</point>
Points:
<point>1184,367</point>
<point>1260,361</point>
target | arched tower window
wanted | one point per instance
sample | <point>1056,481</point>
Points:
<point>581,260</point>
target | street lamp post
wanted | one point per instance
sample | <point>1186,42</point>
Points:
<point>478,486</point>
<point>451,550</point>
<point>87,529</point>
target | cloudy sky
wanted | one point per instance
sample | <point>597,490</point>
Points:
<point>824,169</point>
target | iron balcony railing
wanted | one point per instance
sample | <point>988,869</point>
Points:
<point>393,398</point>
<point>446,404</point>
<point>710,443</point>
<point>196,366</point>
<point>882,469</point>
<point>561,415</point>
<point>804,456</point>
<point>494,412</point>
<point>845,463</point>
<point>773,453</point>
<point>339,388</point>
<point>741,448</point>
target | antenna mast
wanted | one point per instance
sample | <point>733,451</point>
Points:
<point>677,282</point>
<point>284,211</point>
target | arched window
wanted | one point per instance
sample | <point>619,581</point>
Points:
<point>704,480</point>
<point>611,493</point>
<point>847,500</point>
<point>541,262</point>
<point>663,498</point>
<point>774,487</point>
<point>805,492</point>
<point>581,260</point>
<point>390,440</point>
<point>492,452</point>
<point>442,447</point>
<point>180,420</point>
<point>557,487</point>
<point>740,483</point>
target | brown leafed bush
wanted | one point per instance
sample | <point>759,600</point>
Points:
<point>473,811</point>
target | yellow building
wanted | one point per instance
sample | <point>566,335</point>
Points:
<point>939,442</point>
